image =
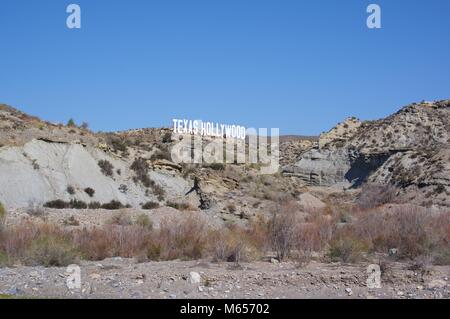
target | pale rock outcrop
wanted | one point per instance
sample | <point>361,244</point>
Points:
<point>41,171</point>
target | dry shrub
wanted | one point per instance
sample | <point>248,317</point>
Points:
<point>90,191</point>
<point>35,210</point>
<point>180,205</point>
<point>51,250</point>
<point>282,228</point>
<point>144,221</point>
<point>150,205</point>
<point>49,245</point>
<point>60,204</point>
<point>71,221</point>
<point>16,239</point>
<point>347,249</point>
<point>106,167</point>
<point>312,236</point>
<point>121,219</point>
<point>111,241</point>
<point>39,244</point>
<point>181,238</point>
<point>237,244</point>
<point>161,155</point>
<point>374,195</point>
<point>141,168</point>
<point>412,230</point>
<point>70,189</point>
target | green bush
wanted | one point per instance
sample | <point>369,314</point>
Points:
<point>71,221</point>
<point>70,189</point>
<point>347,250</point>
<point>60,204</point>
<point>161,155</point>
<point>71,123</point>
<point>140,167</point>
<point>51,251</point>
<point>442,257</point>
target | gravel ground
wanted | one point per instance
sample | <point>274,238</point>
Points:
<point>124,278</point>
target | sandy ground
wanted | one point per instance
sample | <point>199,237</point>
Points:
<point>125,278</point>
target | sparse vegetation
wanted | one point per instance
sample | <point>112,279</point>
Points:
<point>89,191</point>
<point>150,205</point>
<point>144,221</point>
<point>60,204</point>
<point>77,204</point>
<point>71,221</point>
<point>121,219</point>
<point>71,123</point>
<point>106,168</point>
<point>118,144</point>
<point>161,154</point>
<point>414,233</point>
<point>123,188</point>
<point>167,137</point>
<point>282,228</point>
<point>373,195</point>
<point>94,205</point>
<point>179,206</point>
<point>140,167</point>
<point>35,164</point>
<point>346,249</point>
<point>70,189</point>
<point>35,210</point>
<point>57,204</point>
<point>113,205</point>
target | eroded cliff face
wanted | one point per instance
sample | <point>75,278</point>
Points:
<point>322,167</point>
<point>408,149</point>
<point>41,171</point>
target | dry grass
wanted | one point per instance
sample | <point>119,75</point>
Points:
<point>412,230</point>
<point>415,233</point>
<point>282,228</point>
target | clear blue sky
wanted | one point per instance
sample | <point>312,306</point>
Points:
<point>298,65</point>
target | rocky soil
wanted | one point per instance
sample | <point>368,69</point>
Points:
<point>124,278</point>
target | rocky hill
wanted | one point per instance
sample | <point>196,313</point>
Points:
<point>42,162</point>
<point>409,150</point>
